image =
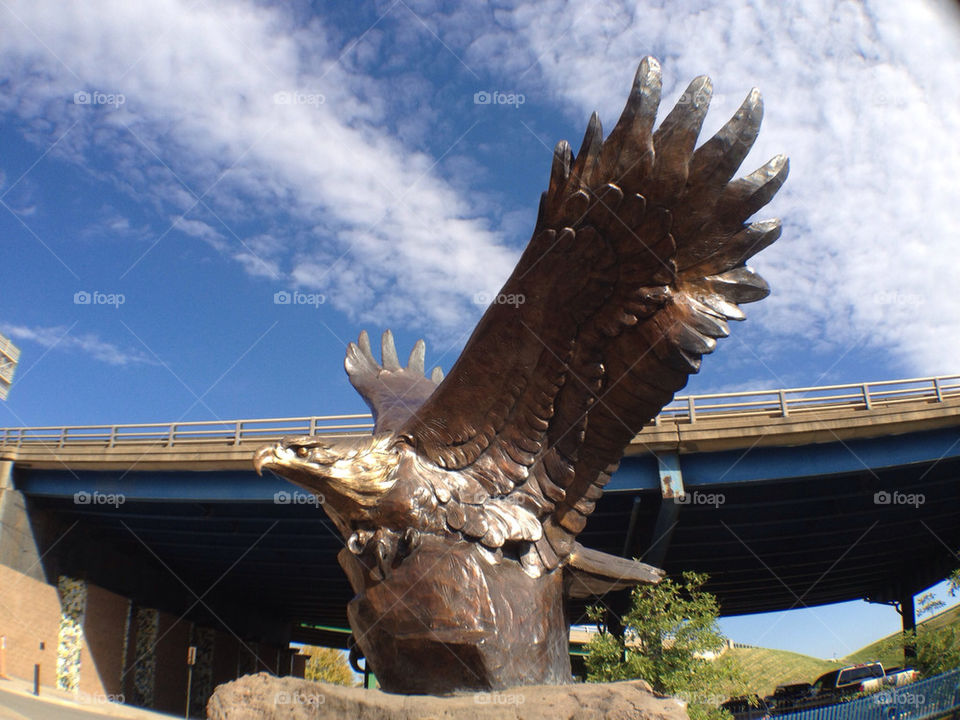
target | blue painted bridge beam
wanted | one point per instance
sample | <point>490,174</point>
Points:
<point>759,464</point>
<point>229,486</point>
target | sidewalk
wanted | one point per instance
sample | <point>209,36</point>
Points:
<point>79,701</point>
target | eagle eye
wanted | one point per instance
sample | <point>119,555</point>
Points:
<point>302,452</point>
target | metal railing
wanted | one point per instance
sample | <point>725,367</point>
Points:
<point>683,410</point>
<point>936,697</point>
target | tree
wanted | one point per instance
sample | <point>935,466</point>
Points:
<point>327,665</point>
<point>671,637</point>
<point>938,649</point>
<point>937,646</point>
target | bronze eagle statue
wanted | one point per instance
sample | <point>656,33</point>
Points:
<point>460,512</point>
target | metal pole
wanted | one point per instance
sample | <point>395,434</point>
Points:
<point>191,661</point>
<point>36,680</point>
<point>3,658</point>
<point>189,683</point>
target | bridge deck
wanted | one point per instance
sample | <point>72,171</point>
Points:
<point>696,423</point>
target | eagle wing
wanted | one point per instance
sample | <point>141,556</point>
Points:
<point>392,392</point>
<point>636,265</point>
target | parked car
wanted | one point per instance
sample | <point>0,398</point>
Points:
<point>747,707</point>
<point>835,685</point>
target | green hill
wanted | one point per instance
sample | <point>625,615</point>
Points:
<point>889,651</point>
<point>768,668</point>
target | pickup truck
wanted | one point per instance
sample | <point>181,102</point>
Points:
<point>863,678</point>
<point>900,676</point>
<point>837,684</point>
<point>892,678</point>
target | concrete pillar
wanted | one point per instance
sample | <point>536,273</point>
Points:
<point>672,494</point>
<point>73,608</point>
<point>908,618</point>
<point>202,687</point>
<point>147,624</point>
<point>18,545</point>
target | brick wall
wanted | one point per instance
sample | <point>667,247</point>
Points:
<point>170,690</point>
<point>225,652</point>
<point>29,615</point>
<point>102,654</point>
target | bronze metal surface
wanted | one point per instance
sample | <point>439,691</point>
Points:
<point>460,513</point>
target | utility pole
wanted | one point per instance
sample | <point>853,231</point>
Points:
<point>191,661</point>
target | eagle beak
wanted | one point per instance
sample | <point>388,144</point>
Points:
<point>264,456</point>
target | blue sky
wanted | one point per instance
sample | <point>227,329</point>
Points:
<point>196,159</point>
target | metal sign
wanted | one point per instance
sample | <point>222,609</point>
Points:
<point>9,357</point>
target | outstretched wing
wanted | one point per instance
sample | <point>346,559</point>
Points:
<point>635,266</point>
<point>393,392</point>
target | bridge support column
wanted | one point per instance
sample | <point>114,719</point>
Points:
<point>908,619</point>
<point>146,624</point>
<point>73,610</point>
<point>18,545</point>
<point>671,490</point>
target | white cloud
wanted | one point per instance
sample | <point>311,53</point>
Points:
<point>63,339</point>
<point>864,99</point>
<point>230,111</point>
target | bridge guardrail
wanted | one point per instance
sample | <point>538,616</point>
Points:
<point>689,409</point>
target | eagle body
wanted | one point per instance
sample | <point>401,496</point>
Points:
<point>460,512</point>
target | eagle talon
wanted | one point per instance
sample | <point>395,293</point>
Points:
<point>357,542</point>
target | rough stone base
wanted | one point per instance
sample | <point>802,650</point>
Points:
<point>265,697</point>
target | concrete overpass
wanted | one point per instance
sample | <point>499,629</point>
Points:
<point>787,498</point>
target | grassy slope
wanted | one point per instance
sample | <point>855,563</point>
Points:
<point>768,668</point>
<point>887,651</point>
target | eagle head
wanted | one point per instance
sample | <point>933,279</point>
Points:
<point>351,474</point>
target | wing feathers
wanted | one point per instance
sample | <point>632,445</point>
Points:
<point>636,266</point>
<point>389,352</point>
<point>674,140</point>
<point>417,356</point>
<point>392,392</point>
<point>586,161</point>
<point>742,198</point>
<point>630,146</point>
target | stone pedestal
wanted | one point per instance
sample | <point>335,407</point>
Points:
<point>264,697</point>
